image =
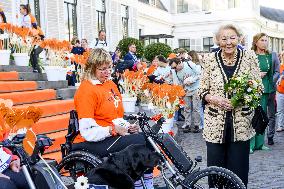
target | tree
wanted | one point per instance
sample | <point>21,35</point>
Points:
<point>123,46</point>
<point>155,49</point>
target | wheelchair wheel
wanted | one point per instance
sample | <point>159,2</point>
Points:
<point>76,164</point>
<point>214,177</point>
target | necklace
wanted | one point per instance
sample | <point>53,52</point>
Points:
<point>229,62</point>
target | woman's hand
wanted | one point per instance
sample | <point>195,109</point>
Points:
<point>221,102</point>
<point>133,128</point>
<point>15,165</point>
<point>263,74</point>
<point>4,176</point>
<point>120,130</point>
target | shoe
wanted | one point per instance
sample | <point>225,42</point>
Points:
<point>251,151</point>
<point>184,126</point>
<point>35,71</point>
<point>180,118</point>
<point>265,148</point>
<point>279,129</point>
<point>270,141</point>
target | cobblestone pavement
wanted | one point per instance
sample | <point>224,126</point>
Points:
<point>266,167</point>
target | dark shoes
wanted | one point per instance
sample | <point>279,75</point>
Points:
<point>270,141</point>
<point>191,130</point>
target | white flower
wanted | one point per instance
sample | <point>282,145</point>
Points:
<point>82,183</point>
<point>249,90</point>
<point>168,104</point>
<point>248,98</point>
<point>254,84</point>
<point>150,106</point>
<point>146,92</point>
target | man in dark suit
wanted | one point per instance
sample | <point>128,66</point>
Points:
<point>131,57</point>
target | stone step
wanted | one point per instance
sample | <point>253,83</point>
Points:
<point>30,76</point>
<point>8,68</point>
<point>52,84</point>
<point>66,93</point>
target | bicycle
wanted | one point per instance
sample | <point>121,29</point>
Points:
<point>38,174</point>
<point>184,173</point>
<point>183,170</point>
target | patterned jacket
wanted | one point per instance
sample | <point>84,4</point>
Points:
<point>212,82</point>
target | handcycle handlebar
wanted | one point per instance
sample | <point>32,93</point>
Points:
<point>143,118</point>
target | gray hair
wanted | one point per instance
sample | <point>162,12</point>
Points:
<point>225,27</point>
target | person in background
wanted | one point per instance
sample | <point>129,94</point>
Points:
<point>84,44</point>
<point>2,16</point>
<point>197,59</point>
<point>77,49</point>
<point>34,56</point>
<point>163,73</point>
<point>100,42</point>
<point>188,75</point>
<point>130,59</point>
<point>226,130</point>
<point>153,66</point>
<point>24,20</point>
<point>280,96</point>
<point>269,66</point>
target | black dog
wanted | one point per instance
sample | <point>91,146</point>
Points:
<point>123,168</point>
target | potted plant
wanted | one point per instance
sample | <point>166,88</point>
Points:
<point>21,42</point>
<point>4,49</point>
<point>132,84</point>
<point>167,99</point>
<point>58,58</point>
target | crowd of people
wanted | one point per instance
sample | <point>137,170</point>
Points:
<point>227,131</point>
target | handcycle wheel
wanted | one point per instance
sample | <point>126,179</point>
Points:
<point>218,177</point>
<point>77,163</point>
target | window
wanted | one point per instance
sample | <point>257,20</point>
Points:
<point>184,43</point>
<point>101,12</point>
<point>35,9</point>
<point>70,19</point>
<point>124,17</point>
<point>195,44</point>
<point>206,5</point>
<point>207,43</point>
<point>153,2</point>
<point>182,6</point>
<point>233,4</point>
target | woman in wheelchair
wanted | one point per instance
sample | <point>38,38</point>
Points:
<point>98,103</point>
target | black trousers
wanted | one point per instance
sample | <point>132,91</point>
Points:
<point>34,58</point>
<point>233,156</point>
<point>16,181</point>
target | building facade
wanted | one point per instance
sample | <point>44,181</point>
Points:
<point>180,23</point>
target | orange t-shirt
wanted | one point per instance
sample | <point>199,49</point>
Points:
<point>98,102</point>
<point>280,87</point>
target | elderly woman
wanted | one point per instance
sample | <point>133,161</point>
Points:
<point>227,130</point>
<point>269,66</point>
<point>100,111</point>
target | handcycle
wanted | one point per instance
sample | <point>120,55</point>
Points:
<point>37,173</point>
<point>183,171</point>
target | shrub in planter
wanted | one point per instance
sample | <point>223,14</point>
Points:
<point>155,49</point>
<point>123,46</point>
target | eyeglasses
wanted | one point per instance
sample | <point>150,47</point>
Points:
<point>231,38</point>
<point>104,70</point>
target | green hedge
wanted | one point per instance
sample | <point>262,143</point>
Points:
<point>123,46</point>
<point>155,49</point>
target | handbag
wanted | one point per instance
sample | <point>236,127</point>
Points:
<point>259,120</point>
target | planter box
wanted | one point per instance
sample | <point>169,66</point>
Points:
<point>129,103</point>
<point>5,57</point>
<point>55,73</point>
<point>21,59</point>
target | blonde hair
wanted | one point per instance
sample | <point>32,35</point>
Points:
<point>195,58</point>
<point>97,58</point>
<point>225,27</point>
<point>255,40</point>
